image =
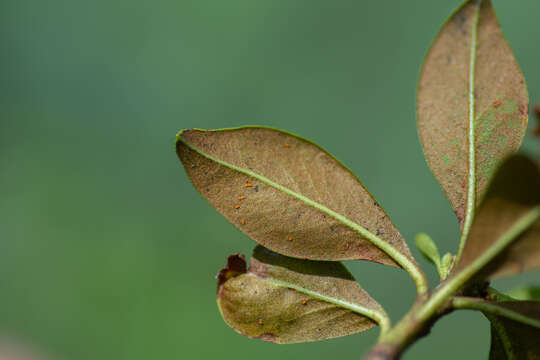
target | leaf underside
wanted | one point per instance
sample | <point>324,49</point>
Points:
<point>511,339</point>
<point>513,193</point>
<point>286,300</point>
<point>287,194</point>
<point>472,104</point>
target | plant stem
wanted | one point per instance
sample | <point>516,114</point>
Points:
<point>417,322</point>
<point>486,307</point>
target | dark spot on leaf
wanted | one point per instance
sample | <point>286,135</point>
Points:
<point>268,337</point>
<point>256,188</point>
<point>523,109</point>
<point>236,265</point>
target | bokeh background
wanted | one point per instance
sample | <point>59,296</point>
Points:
<point>108,252</point>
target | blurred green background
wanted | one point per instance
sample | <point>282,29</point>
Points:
<point>108,252</point>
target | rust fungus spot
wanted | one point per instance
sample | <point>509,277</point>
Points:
<point>304,302</point>
<point>237,207</point>
<point>241,197</point>
<point>243,222</point>
<point>287,145</point>
<point>268,337</point>
<point>496,104</point>
<point>347,245</point>
<point>290,238</point>
<point>260,322</point>
<point>248,184</point>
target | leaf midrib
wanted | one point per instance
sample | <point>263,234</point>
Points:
<point>471,188</point>
<point>378,316</point>
<point>390,250</point>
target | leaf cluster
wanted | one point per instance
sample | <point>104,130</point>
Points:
<point>308,212</point>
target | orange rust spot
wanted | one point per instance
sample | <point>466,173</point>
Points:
<point>241,197</point>
<point>290,238</point>
<point>243,222</point>
<point>304,302</point>
<point>496,104</point>
<point>237,207</point>
<point>287,145</point>
<point>248,185</point>
<point>347,245</point>
<point>260,322</point>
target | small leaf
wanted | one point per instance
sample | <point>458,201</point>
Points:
<point>289,195</point>
<point>446,265</point>
<point>427,247</point>
<point>515,326</point>
<point>505,236</point>
<point>472,105</point>
<point>285,300</point>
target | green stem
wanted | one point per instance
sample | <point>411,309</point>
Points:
<point>416,323</point>
<point>454,283</point>
<point>484,306</point>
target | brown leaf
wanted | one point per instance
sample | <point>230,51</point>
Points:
<point>286,300</point>
<point>512,195</point>
<point>296,198</point>
<point>511,339</point>
<point>470,66</point>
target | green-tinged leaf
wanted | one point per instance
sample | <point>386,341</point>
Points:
<point>515,327</point>
<point>505,236</point>
<point>446,265</point>
<point>286,300</point>
<point>525,293</point>
<point>427,247</point>
<point>289,195</point>
<point>472,105</point>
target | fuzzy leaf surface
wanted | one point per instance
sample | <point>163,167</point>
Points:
<point>286,300</point>
<point>472,105</point>
<point>512,196</point>
<point>288,194</point>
